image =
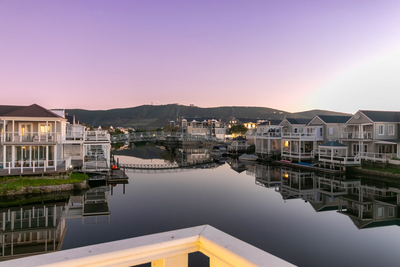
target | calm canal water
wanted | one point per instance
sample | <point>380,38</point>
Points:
<point>255,203</point>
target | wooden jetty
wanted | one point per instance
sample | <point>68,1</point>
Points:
<point>308,167</point>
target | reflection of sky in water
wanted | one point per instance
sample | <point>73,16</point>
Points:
<point>133,160</point>
<point>233,203</point>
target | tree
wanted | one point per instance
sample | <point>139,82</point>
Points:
<point>170,128</point>
<point>238,129</point>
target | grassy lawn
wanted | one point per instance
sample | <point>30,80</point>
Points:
<point>387,169</point>
<point>17,183</point>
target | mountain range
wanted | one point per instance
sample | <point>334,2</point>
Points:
<point>155,116</point>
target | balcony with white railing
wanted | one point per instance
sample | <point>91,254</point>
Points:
<point>297,155</point>
<point>72,135</point>
<point>379,157</point>
<point>339,159</point>
<point>34,166</point>
<point>269,135</point>
<point>31,137</point>
<point>302,136</point>
<point>270,152</point>
<point>96,136</point>
<point>357,135</point>
<point>168,249</point>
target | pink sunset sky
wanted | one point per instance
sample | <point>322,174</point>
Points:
<point>289,55</point>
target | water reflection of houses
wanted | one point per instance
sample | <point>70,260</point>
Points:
<point>371,205</point>
<point>367,202</point>
<point>268,176</point>
<point>39,227</point>
<point>194,155</point>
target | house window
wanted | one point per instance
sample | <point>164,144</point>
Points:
<point>43,128</point>
<point>391,129</point>
<point>331,131</point>
<point>381,130</point>
<point>295,130</point>
<point>380,212</point>
<point>391,212</point>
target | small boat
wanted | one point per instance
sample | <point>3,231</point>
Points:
<point>219,150</point>
<point>248,157</point>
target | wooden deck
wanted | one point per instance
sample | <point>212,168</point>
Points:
<point>308,167</point>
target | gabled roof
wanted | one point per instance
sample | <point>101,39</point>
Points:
<point>8,109</point>
<point>27,111</point>
<point>382,116</point>
<point>334,118</point>
<point>298,120</point>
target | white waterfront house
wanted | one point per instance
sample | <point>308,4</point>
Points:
<point>373,135</point>
<point>204,127</point>
<point>267,138</point>
<point>37,140</point>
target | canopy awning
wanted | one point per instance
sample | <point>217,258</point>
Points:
<point>387,142</point>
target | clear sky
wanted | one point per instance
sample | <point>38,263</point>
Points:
<point>339,55</point>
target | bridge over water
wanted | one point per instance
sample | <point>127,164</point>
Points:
<point>156,136</point>
<point>168,167</point>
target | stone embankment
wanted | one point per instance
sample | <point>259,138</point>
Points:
<point>45,189</point>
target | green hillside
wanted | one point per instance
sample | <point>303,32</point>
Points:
<point>149,116</point>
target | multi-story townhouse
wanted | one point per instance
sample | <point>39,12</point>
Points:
<point>204,127</point>
<point>36,140</point>
<point>267,138</point>
<point>299,140</point>
<point>373,135</point>
<point>31,140</point>
<point>331,126</point>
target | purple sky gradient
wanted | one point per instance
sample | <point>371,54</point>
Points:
<point>288,55</point>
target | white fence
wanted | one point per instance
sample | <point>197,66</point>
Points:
<point>168,249</point>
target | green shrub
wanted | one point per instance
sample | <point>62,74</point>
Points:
<point>77,186</point>
<point>36,191</point>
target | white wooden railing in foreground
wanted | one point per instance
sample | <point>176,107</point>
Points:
<point>168,249</point>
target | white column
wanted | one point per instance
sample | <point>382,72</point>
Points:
<point>55,157</point>
<point>30,156</point>
<point>4,158</point>
<point>12,156</point>
<point>13,128</point>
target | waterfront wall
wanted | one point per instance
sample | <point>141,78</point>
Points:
<point>46,189</point>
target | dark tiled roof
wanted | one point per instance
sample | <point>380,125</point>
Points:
<point>7,109</point>
<point>29,111</point>
<point>239,138</point>
<point>383,116</point>
<point>333,144</point>
<point>334,118</point>
<point>298,120</point>
<point>273,122</point>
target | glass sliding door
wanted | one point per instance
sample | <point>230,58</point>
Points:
<point>26,131</point>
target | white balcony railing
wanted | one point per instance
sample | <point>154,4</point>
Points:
<point>168,249</point>
<point>297,154</point>
<point>339,159</point>
<point>265,151</point>
<point>20,137</point>
<point>24,166</point>
<point>357,135</point>
<point>72,135</point>
<point>383,157</point>
<point>97,136</point>
<point>302,136</point>
<point>268,135</point>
